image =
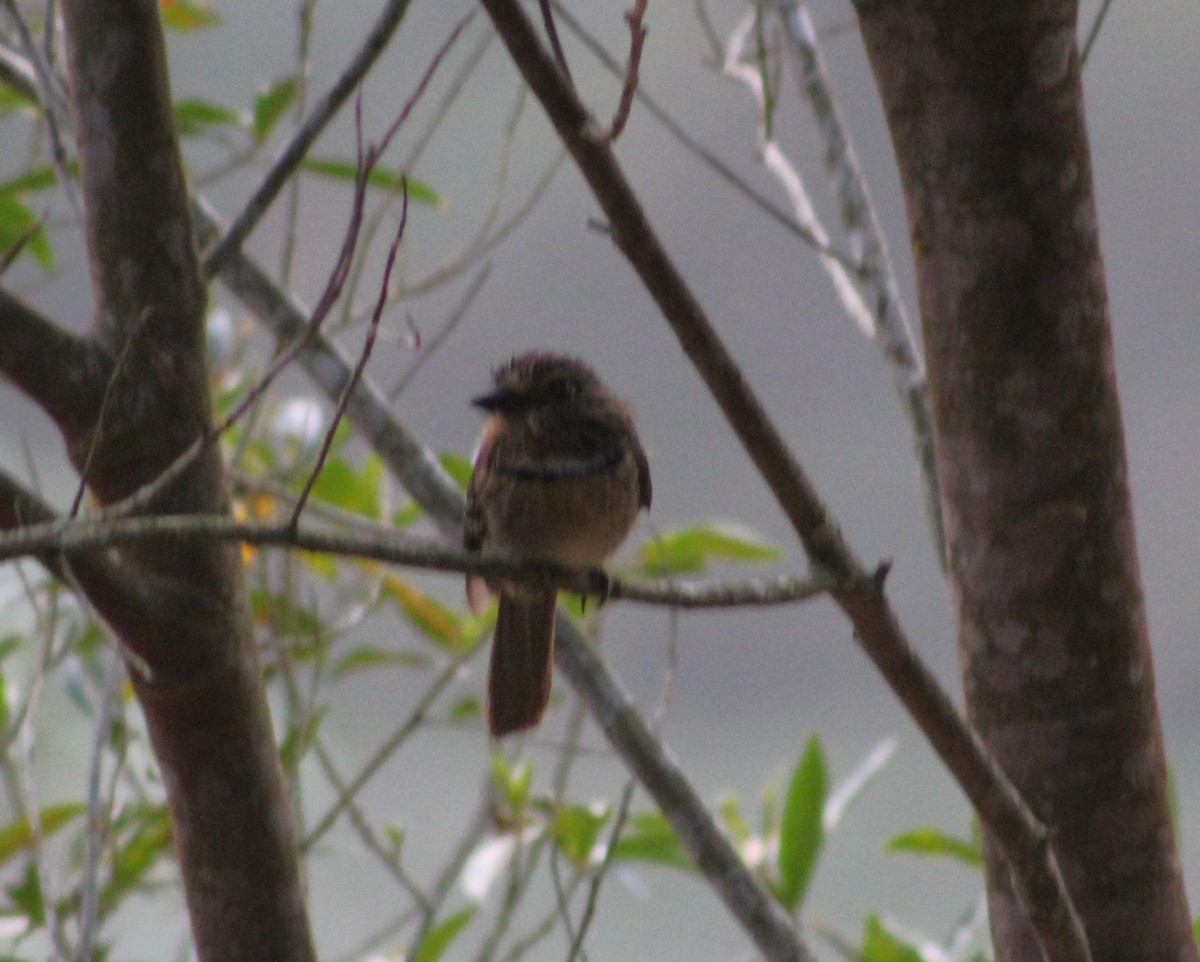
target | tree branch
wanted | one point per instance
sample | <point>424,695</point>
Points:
<point>876,627</point>
<point>60,371</point>
<point>46,537</point>
<point>293,152</point>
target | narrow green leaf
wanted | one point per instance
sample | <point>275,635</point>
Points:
<point>935,843</point>
<point>33,179</point>
<point>458,467</point>
<point>271,105</point>
<point>298,740</point>
<point>187,16</point>
<point>465,709</point>
<point>9,644</point>
<point>438,939</point>
<point>20,227</point>
<point>429,616</point>
<point>880,945</point>
<point>514,782</point>
<point>735,824</point>
<point>368,656</point>
<point>380,177</point>
<point>801,832</point>
<point>689,549</point>
<point>139,853</point>
<point>195,116</point>
<point>648,837</point>
<point>26,896</point>
<point>16,837</point>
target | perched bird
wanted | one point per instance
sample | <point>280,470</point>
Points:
<point>560,476</point>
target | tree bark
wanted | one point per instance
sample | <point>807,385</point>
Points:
<point>985,107</point>
<point>129,397</point>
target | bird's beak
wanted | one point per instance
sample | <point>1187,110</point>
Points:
<point>496,401</point>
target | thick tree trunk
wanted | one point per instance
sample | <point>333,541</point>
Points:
<point>985,107</point>
<point>129,398</point>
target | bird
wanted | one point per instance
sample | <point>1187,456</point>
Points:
<point>560,476</point>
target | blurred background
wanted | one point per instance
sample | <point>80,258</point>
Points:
<point>749,686</point>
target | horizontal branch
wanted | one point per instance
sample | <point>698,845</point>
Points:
<point>391,547</point>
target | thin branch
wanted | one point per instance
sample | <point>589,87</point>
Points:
<point>330,367</point>
<point>892,330</point>
<point>427,351</point>
<point>364,356</point>
<point>860,596</point>
<point>293,153</point>
<point>1094,32</point>
<point>552,35</point>
<point>392,547</point>
<point>637,37</point>
<point>54,107</point>
<point>693,146</point>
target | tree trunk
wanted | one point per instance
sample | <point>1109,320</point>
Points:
<point>985,107</point>
<point>129,397</point>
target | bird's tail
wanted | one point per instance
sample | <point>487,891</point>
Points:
<point>522,661</point>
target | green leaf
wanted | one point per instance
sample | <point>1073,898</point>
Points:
<point>575,829</point>
<point>684,550</point>
<point>465,709</point>
<point>429,616</point>
<point>196,116</point>
<point>349,488</point>
<point>381,178</point>
<point>298,739</point>
<point>149,841</point>
<point>19,226</point>
<point>735,824</point>
<point>16,837</point>
<point>186,16</point>
<point>438,939</point>
<point>9,644</point>
<point>648,837</point>
<point>271,105</point>
<point>368,656</point>
<point>801,832</point>
<point>33,179</point>
<point>458,467</point>
<point>514,782</point>
<point>879,945</point>
<point>934,843</point>
<point>408,513</point>
<point>26,896</point>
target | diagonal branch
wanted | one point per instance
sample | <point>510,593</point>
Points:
<point>293,153</point>
<point>60,371</point>
<point>859,595</point>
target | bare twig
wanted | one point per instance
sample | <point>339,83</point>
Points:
<point>552,35</point>
<point>364,355</point>
<point>637,37</point>
<point>693,146</point>
<point>293,153</point>
<point>891,329</point>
